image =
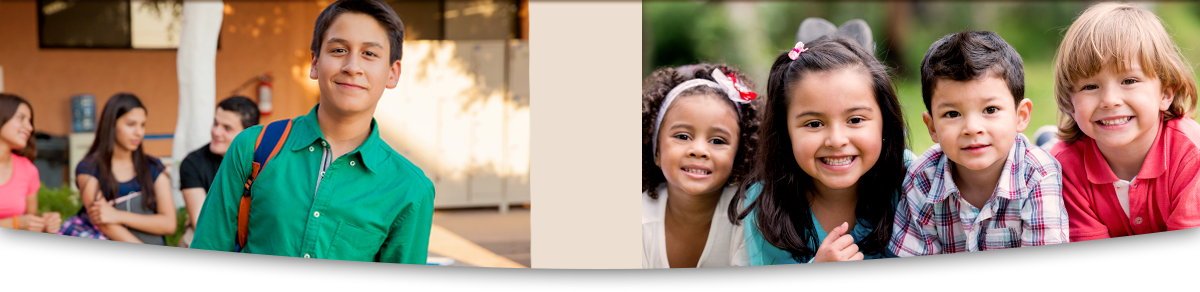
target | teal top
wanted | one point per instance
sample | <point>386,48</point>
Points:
<point>763,253</point>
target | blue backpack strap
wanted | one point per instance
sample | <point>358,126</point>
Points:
<point>269,141</point>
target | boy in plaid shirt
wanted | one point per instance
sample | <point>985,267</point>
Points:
<point>984,185</point>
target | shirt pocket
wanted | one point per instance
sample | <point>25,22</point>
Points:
<point>355,243</point>
<point>1000,238</point>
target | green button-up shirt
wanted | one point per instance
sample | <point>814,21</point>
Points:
<point>371,205</point>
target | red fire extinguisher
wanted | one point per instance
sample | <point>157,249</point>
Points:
<point>264,94</point>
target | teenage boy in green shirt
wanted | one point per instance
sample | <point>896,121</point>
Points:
<point>334,190</point>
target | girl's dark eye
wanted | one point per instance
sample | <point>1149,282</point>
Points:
<point>682,136</point>
<point>856,120</point>
<point>1088,87</point>
<point>991,110</point>
<point>951,114</point>
<point>372,54</point>
<point>813,124</point>
<point>1129,81</point>
<point>718,141</point>
<point>338,50</point>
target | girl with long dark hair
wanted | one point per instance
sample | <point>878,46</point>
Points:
<point>126,194</point>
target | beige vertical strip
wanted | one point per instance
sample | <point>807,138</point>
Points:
<point>585,105</point>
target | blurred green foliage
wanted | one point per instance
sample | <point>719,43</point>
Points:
<point>59,199</point>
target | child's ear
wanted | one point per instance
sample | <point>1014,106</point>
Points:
<point>1167,98</point>
<point>1024,113</point>
<point>312,71</point>
<point>656,162</point>
<point>928,119</point>
<point>394,75</point>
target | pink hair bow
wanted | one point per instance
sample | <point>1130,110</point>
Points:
<point>795,53</point>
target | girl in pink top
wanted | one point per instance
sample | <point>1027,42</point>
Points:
<point>1129,151</point>
<point>18,177</point>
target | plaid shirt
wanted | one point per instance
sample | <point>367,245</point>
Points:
<point>1025,210</point>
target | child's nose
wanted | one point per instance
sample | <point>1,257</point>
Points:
<point>698,150</point>
<point>1109,99</point>
<point>837,137</point>
<point>974,126</point>
<point>351,66</point>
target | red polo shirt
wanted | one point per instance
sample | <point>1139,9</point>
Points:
<point>1164,196</point>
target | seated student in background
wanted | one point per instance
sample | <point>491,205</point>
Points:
<point>126,194</point>
<point>196,173</point>
<point>19,181</point>
<point>1129,145</point>
<point>984,185</point>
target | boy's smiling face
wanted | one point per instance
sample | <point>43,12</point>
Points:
<point>352,68</point>
<point>976,121</point>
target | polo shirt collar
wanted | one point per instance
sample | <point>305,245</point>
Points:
<point>306,131</point>
<point>1005,186</point>
<point>1098,171</point>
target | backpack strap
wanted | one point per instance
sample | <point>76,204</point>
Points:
<point>269,141</point>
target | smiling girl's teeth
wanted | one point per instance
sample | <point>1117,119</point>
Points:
<point>1114,122</point>
<point>838,161</point>
<point>696,171</point>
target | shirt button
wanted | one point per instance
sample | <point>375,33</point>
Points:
<point>310,149</point>
<point>318,215</point>
<point>306,256</point>
<point>351,163</point>
<point>1137,220</point>
<point>323,143</point>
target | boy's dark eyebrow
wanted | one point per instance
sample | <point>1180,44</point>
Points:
<point>345,42</point>
<point>986,99</point>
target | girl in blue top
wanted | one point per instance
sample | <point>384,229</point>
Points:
<point>126,194</point>
<point>831,158</point>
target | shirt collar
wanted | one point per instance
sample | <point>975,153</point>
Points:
<point>306,131</point>
<point>1005,187</point>
<point>1098,171</point>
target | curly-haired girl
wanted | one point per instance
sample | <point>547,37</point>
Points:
<point>699,127</point>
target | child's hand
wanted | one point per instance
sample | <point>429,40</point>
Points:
<point>102,213</point>
<point>53,221</point>
<point>31,223</point>
<point>838,246</point>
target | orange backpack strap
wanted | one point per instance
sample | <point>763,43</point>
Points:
<point>269,141</point>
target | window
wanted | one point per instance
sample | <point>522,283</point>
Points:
<point>126,24</point>
<point>459,19</point>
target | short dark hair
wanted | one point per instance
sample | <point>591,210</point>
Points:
<point>376,9</point>
<point>969,55</point>
<point>244,107</point>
